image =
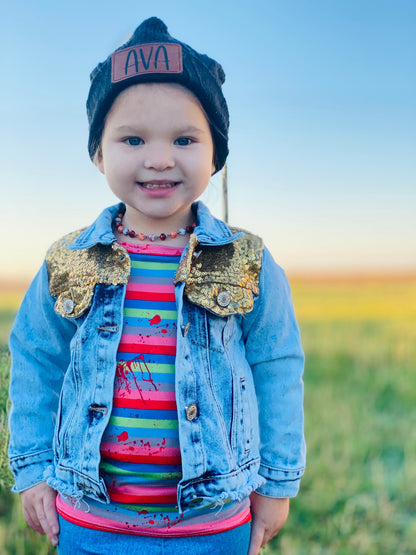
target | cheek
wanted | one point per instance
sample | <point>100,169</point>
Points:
<point>115,161</point>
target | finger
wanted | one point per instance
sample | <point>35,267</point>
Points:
<point>256,539</point>
<point>43,519</point>
<point>45,523</point>
<point>51,517</point>
<point>31,518</point>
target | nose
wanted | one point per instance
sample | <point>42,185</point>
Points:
<point>159,157</point>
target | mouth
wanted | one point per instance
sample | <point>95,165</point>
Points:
<point>158,184</point>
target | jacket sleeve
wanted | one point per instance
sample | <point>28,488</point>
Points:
<point>39,344</point>
<point>276,358</point>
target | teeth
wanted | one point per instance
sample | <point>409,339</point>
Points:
<point>157,186</point>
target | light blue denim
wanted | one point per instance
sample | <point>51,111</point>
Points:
<point>243,371</point>
<point>83,541</point>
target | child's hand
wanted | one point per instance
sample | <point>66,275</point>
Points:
<point>268,516</point>
<point>40,511</point>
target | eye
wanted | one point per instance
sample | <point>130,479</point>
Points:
<point>134,141</point>
<point>183,141</point>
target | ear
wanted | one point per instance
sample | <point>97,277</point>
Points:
<point>100,162</point>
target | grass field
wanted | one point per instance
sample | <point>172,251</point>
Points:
<point>358,494</point>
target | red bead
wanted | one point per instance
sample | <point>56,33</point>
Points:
<point>141,236</point>
<point>120,229</point>
<point>173,234</point>
<point>162,236</point>
<point>132,233</point>
<point>189,229</point>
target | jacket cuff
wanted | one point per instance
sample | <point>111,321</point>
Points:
<point>28,469</point>
<point>280,483</point>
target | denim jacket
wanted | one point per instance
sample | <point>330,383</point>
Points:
<point>238,376</point>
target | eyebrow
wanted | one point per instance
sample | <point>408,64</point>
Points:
<point>126,129</point>
<point>190,129</point>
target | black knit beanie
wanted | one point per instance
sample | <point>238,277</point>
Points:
<point>152,55</point>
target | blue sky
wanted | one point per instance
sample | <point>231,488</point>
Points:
<point>322,98</point>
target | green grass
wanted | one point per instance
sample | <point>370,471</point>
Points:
<point>16,538</point>
<point>358,495</point>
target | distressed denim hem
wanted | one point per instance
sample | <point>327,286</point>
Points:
<point>74,484</point>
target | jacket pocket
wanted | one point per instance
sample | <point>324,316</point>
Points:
<point>208,330</point>
<point>74,273</point>
<point>223,278</point>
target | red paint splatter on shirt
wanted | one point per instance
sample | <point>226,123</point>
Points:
<point>126,369</point>
<point>155,320</point>
<point>123,436</point>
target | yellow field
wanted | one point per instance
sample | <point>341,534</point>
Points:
<point>320,299</point>
<point>355,299</point>
<point>11,295</point>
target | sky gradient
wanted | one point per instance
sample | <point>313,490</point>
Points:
<point>322,100</point>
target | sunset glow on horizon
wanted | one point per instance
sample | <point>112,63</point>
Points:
<point>322,142</point>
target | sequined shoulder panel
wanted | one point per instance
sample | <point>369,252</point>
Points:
<point>223,279</point>
<point>73,274</point>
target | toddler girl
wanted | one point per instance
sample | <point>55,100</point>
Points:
<point>156,382</point>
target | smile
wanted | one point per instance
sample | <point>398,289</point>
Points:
<point>158,184</point>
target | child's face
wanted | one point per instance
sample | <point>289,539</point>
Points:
<point>157,154</point>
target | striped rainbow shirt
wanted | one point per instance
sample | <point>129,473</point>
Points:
<point>140,454</point>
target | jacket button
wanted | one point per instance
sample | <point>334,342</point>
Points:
<point>223,298</point>
<point>68,306</point>
<point>185,329</point>
<point>98,408</point>
<point>195,501</point>
<point>191,412</point>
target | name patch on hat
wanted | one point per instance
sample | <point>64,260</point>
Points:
<point>141,59</point>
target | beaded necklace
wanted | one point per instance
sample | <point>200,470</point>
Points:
<point>118,222</point>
